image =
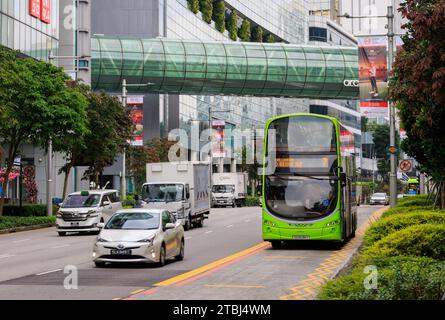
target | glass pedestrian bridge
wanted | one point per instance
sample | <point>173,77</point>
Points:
<point>224,68</point>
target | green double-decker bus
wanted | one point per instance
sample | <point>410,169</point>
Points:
<point>308,180</point>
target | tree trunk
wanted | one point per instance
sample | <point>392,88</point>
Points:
<point>65,182</point>
<point>442,195</point>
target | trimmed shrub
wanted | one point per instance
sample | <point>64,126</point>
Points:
<point>398,278</point>
<point>388,225</point>
<point>244,30</point>
<point>27,210</point>
<point>193,5</point>
<point>404,210</point>
<point>232,25</point>
<point>257,34</point>
<point>419,200</point>
<point>14,222</point>
<point>252,201</point>
<point>206,7</point>
<point>219,15</point>
<point>426,240</point>
<point>270,38</point>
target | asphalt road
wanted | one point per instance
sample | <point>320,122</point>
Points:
<point>32,263</point>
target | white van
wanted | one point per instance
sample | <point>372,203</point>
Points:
<point>82,211</point>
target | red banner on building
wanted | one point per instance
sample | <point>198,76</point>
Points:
<point>45,14</point>
<point>35,8</point>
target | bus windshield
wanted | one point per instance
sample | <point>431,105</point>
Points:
<point>304,182</point>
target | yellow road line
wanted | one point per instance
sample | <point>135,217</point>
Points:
<point>306,289</point>
<point>137,291</point>
<point>234,286</point>
<point>210,266</point>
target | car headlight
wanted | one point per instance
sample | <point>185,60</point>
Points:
<point>92,213</point>
<point>100,239</point>
<point>148,240</point>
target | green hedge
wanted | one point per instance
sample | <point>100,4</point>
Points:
<point>27,210</point>
<point>407,247</point>
<point>252,201</point>
<point>394,223</point>
<point>14,222</point>
<point>398,278</point>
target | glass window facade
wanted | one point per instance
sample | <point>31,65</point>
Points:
<point>20,31</point>
<point>214,68</point>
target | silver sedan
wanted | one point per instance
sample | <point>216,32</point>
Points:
<point>139,235</point>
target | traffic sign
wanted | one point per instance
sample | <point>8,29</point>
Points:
<point>392,150</point>
<point>406,165</point>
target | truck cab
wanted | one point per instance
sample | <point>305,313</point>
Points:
<point>229,189</point>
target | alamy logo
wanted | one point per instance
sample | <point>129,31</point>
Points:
<point>351,83</point>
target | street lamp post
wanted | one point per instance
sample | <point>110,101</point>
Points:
<point>392,114</point>
<point>125,85</point>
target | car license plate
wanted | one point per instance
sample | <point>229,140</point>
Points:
<point>118,252</point>
<point>220,201</point>
<point>74,224</point>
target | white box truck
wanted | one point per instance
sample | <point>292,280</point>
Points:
<point>183,188</point>
<point>229,189</point>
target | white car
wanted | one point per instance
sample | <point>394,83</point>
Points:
<point>140,235</point>
<point>82,211</point>
<point>379,198</point>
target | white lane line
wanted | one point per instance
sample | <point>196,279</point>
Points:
<point>46,272</point>
<point>229,226</point>
<point>188,238</point>
<point>62,246</point>
<point>22,240</point>
<point>4,256</point>
<point>207,232</point>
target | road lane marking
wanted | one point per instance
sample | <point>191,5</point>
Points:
<point>22,240</point>
<point>62,246</point>
<point>4,256</point>
<point>207,232</point>
<point>203,269</point>
<point>307,289</point>
<point>229,226</point>
<point>234,286</point>
<point>46,272</point>
<point>137,291</point>
<point>188,238</point>
<point>150,291</point>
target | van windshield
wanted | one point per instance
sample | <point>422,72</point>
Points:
<point>223,188</point>
<point>163,192</point>
<point>79,201</point>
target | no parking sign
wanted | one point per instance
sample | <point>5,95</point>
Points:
<point>406,165</point>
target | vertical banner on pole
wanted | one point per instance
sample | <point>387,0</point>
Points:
<point>135,104</point>
<point>218,142</point>
<point>373,73</point>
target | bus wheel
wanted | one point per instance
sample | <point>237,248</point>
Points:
<point>276,244</point>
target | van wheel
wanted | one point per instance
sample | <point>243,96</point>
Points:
<point>180,256</point>
<point>200,222</point>
<point>62,234</point>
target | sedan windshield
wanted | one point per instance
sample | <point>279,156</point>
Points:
<point>133,221</point>
<point>163,192</point>
<point>379,195</point>
<point>79,201</point>
<point>301,197</point>
<point>223,188</point>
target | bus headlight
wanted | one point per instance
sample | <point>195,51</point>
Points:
<point>332,223</point>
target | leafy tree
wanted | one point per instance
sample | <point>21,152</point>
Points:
<point>110,127</point>
<point>219,15</point>
<point>257,35</point>
<point>36,105</point>
<point>193,5</point>
<point>381,139</point>
<point>233,25</point>
<point>270,38</point>
<point>418,86</point>
<point>206,7</point>
<point>251,169</point>
<point>244,30</point>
